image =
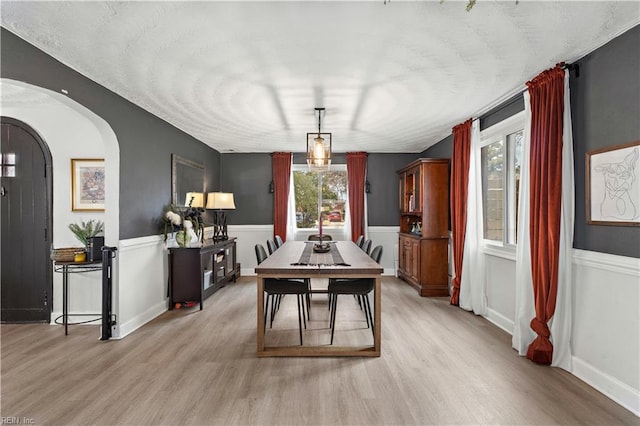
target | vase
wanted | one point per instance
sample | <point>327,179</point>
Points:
<point>191,238</point>
<point>182,239</point>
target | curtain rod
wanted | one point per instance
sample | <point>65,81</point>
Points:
<point>512,97</point>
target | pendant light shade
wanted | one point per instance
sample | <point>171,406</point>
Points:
<point>319,147</point>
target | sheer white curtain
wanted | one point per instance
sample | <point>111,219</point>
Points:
<point>560,324</point>
<point>561,321</point>
<point>524,309</point>
<point>347,217</point>
<point>472,286</point>
<point>291,210</point>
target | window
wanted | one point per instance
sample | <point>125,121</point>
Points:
<point>501,155</point>
<point>8,165</point>
<point>334,197</point>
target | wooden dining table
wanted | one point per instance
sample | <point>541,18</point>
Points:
<point>285,263</point>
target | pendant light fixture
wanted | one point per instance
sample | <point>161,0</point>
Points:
<point>319,147</point>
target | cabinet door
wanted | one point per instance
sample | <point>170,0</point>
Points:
<point>402,190</point>
<point>403,256</point>
<point>435,200</point>
<point>206,260</point>
<point>414,248</point>
<point>417,194</point>
<point>186,275</point>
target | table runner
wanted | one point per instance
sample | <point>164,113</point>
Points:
<point>333,257</point>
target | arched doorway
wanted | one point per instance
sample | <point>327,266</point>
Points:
<point>25,224</point>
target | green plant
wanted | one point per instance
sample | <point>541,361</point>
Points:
<point>86,230</point>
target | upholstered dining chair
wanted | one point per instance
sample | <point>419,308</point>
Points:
<point>360,241</point>
<point>279,287</point>
<point>278,240</point>
<point>271,246</point>
<point>366,246</point>
<point>359,287</point>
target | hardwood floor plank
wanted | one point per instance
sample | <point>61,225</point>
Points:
<point>439,365</point>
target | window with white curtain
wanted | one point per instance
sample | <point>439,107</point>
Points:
<point>501,153</point>
<point>304,199</point>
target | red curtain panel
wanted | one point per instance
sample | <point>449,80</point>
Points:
<point>356,175</point>
<point>547,107</point>
<point>459,186</point>
<point>281,170</point>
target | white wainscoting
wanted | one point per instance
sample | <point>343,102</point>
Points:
<point>247,237</point>
<point>142,290</point>
<point>606,325</point>
<point>387,236</point>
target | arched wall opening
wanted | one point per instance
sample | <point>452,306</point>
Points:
<point>70,130</point>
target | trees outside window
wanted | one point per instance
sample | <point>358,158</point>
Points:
<point>334,198</point>
<point>501,155</point>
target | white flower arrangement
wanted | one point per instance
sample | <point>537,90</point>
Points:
<point>174,218</point>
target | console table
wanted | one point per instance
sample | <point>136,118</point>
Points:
<point>195,273</point>
<point>104,265</point>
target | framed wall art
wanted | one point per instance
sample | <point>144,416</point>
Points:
<point>613,185</point>
<point>87,184</point>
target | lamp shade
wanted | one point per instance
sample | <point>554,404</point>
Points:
<point>319,151</point>
<point>220,201</point>
<point>195,198</point>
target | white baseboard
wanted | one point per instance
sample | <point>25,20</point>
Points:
<point>499,320</point>
<point>613,388</point>
<point>390,272</point>
<point>247,272</point>
<point>122,330</point>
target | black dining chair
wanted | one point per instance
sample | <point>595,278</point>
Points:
<point>358,287</point>
<point>280,287</point>
<point>366,246</point>
<point>279,241</point>
<point>360,241</point>
<point>271,246</point>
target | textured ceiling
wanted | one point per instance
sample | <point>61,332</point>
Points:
<point>246,76</point>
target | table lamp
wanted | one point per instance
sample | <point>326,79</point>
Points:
<point>220,201</point>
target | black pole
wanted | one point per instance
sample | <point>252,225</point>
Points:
<point>108,253</point>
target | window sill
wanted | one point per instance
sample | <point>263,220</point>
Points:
<point>499,250</point>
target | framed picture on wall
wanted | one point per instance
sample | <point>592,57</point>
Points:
<point>613,185</point>
<point>87,184</point>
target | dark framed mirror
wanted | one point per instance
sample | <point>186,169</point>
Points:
<point>186,176</point>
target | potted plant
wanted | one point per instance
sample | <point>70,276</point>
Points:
<point>86,230</point>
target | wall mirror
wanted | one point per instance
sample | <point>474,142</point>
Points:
<point>186,176</point>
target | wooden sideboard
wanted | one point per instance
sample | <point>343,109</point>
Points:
<point>197,273</point>
<point>424,226</point>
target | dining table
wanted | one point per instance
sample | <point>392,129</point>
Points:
<point>297,259</point>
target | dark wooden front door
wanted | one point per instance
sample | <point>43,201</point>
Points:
<point>25,224</point>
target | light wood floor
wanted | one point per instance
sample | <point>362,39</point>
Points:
<point>439,365</point>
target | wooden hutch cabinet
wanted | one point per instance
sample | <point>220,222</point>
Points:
<point>423,259</point>
<point>195,273</point>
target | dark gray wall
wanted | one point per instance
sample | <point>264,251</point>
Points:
<point>146,142</point>
<point>382,201</point>
<point>443,149</point>
<point>506,110</point>
<point>605,111</point>
<point>248,176</point>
